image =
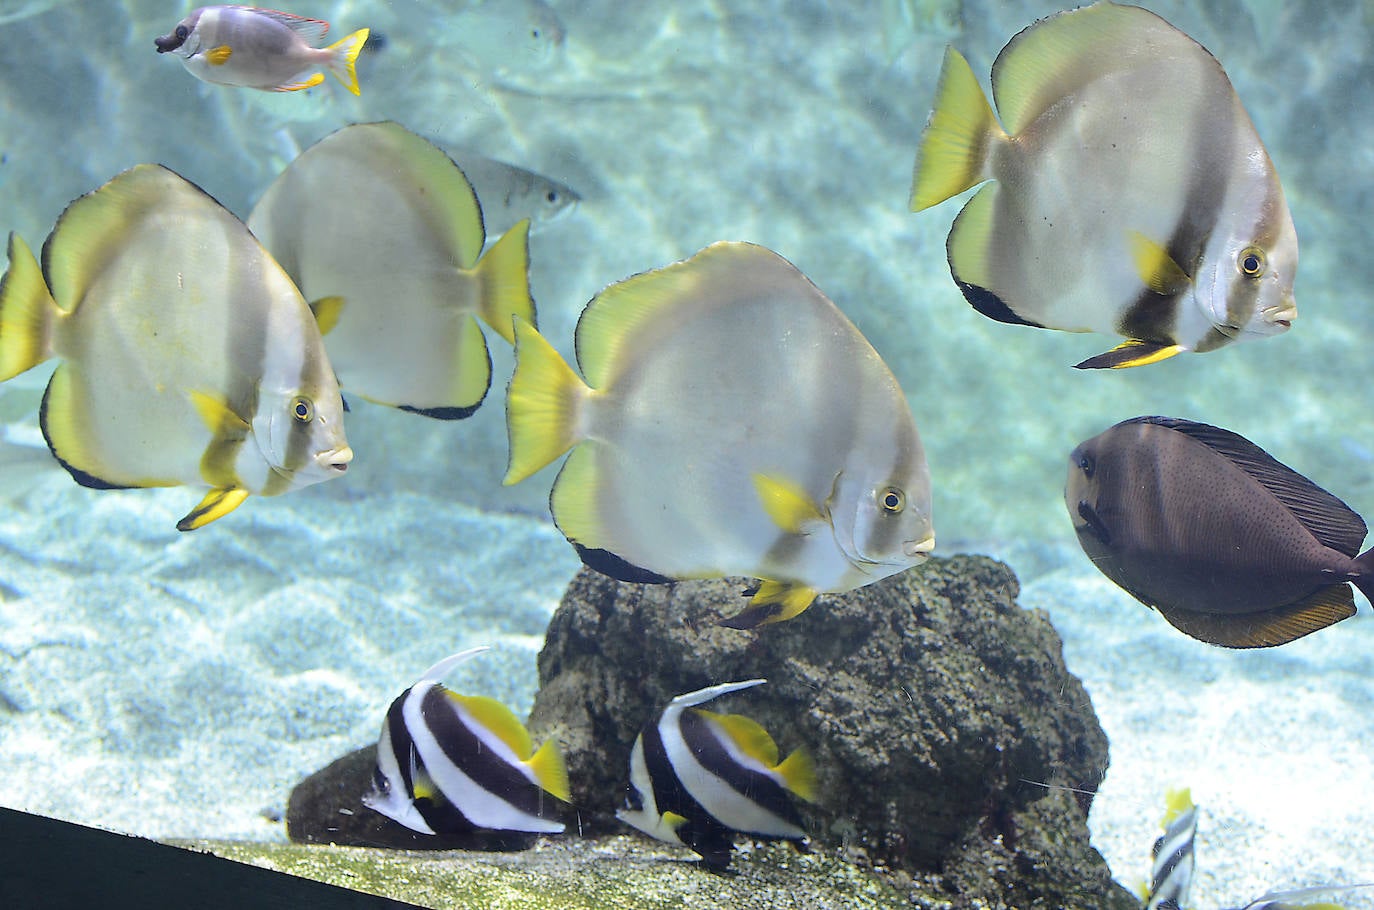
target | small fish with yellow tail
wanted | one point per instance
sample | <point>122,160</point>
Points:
<point>697,777</point>
<point>261,48</point>
<point>1130,194</point>
<point>383,233</point>
<point>188,356</point>
<point>732,422</point>
<point>1172,855</point>
<point>1304,898</point>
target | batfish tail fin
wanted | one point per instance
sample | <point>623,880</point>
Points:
<point>504,275</point>
<point>343,62</point>
<point>953,153</point>
<point>542,406</point>
<point>27,313</point>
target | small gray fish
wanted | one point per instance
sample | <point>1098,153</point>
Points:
<point>1303,898</point>
<point>1229,545</point>
<point>509,194</point>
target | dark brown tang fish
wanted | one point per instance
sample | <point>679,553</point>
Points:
<point>1229,545</point>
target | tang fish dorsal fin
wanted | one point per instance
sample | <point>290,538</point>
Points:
<point>497,719</point>
<point>747,735</point>
<point>789,506</point>
<point>1060,55</point>
<point>1158,270</point>
<point>312,31</point>
<point>1269,628</point>
<point>1330,521</point>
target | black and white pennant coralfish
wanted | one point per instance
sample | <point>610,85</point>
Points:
<point>1130,194</point>
<point>1172,857</point>
<point>382,232</point>
<point>733,422</point>
<point>697,777</point>
<point>188,356</point>
<point>260,48</point>
<point>449,763</point>
<point>1229,545</point>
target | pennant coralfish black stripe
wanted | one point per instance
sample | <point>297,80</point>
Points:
<point>699,828</point>
<point>751,784</point>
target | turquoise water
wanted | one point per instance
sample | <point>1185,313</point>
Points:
<point>161,665</point>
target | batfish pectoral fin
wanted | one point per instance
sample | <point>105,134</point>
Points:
<point>789,506</point>
<point>300,86</point>
<point>216,504</point>
<point>954,147</point>
<point>1158,270</point>
<point>327,311</point>
<point>1132,353</point>
<point>1269,628</point>
<point>218,56</point>
<point>775,601</point>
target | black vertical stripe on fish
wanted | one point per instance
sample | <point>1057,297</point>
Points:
<point>757,787</point>
<point>465,749</point>
<point>700,831</point>
<point>402,746</point>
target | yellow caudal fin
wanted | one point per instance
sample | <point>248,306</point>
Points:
<point>800,774</point>
<point>550,770</point>
<point>953,153</point>
<point>343,63</point>
<point>216,504</point>
<point>542,404</point>
<point>327,311</point>
<point>775,601</point>
<point>504,276</point>
<point>27,313</point>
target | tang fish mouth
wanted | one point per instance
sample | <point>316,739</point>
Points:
<point>918,549</point>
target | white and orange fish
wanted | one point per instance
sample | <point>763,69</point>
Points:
<point>261,48</point>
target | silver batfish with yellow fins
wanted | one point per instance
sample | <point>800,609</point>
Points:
<point>1228,544</point>
<point>1172,856</point>
<point>1130,193</point>
<point>697,777</point>
<point>733,422</point>
<point>188,356</point>
<point>261,48</point>
<point>382,232</point>
<point>448,763</point>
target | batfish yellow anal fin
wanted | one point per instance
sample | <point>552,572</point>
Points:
<point>1132,353</point>
<point>27,312</point>
<point>551,771</point>
<point>745,733</point>
<point>215,505</point>
<point>953,153</point>
<point>503,274</point>
<point>799,771</point>
<point>327,311</point>
<point>1158,270</point>
<point>313,81</point>
<point>1269,628</point>
<point>775,601</point>
<point>542,404</point>
<point>787,504</point>
<point>218,56</point>
<point>499,720</point>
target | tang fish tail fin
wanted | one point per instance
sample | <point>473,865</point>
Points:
<point>27,312</point>
<point>550,771</point>
<point>542,405</point>
<point>343,59</point>
<point>775,601</point>
<point>954,148</point>
<point>504,275</point>
<point>1365,579</point>
<point>798,771</point>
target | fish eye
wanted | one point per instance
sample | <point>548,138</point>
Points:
<point>182,32</point>
<point>1085,464</point>
<point>1251,262</point>
<point>551,197</point>
<point>892,500</point>
<point>303,410</point>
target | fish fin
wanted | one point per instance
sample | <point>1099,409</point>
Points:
<point>327,311</point>
<point>228,430</point>
<point>1269,628</point>
<point>216,504</point>
<point>968,250</point>
<point>542,405</point>
<point>1176,802</point>
<point>27,312</point>
<point>498,720</point>
<point>216,414</point>
<point>472,379</point>
<point>218,56</point>
<point>551,771</point>
<point>312,31</point>
<point>1157,269</point>
<point>1329,519</point>
<point>952,156</point>
<point>775,601</point>
<point>1131,353</point>
<point>799,773</point>
<point>612,566</point>
<point>673,820</point>
<point>789,506</point>
<point>343,61</point>
<point>503,274</point>
<point>65,422</point>
<point>313,81</point>
<point>748,734</point>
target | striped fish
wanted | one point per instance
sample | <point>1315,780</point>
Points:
<point>448,763</point>
<point>382,231</point>
<point>1171,874</point>
<point>1130,193</point>
<point>1303,898</point>
<point>188,356</point>
<point>733,422</point>
<point>697,777</point>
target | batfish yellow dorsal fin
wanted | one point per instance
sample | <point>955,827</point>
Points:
<point>216,504</point>
<point>503,275</point>
<point>799,772</point>
<point>954,146</point>
<point>218,56</point>
<point>1157,269</point>
<point>550,770</point>
<point>1176,802</point>
<point>748,735</point>
<point>499,720</point>
<point>775,601</point>
<point>327,311</point>
<point>787,504</point>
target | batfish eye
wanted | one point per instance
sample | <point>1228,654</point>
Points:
<point>892,500</point>
<point>551,196</point>
<point>1251,262</point>
<point>303,410</point>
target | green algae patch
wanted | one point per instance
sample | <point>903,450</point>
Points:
<point>612,872</point>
